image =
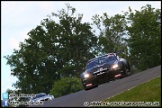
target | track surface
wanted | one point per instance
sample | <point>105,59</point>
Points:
<point>103,91</point>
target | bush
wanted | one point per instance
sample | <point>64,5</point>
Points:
<point>66,86</point>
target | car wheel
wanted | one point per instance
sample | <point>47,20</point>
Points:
<point>125,72</point>
<point>128,69</point>
<point>128,66</point>
<point>46,99</point>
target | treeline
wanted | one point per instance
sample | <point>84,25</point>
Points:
<point>53,57</point>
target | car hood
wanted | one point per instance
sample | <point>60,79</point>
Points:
<point>95,69</point>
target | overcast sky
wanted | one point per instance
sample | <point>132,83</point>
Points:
<point>19,17</point>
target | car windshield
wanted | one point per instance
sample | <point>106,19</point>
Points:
<point>39,95</point>
<point>107,59</point>
<point>92,64</point>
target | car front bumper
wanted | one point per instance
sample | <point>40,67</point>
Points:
<point>102,77</point>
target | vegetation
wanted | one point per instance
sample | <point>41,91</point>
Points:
<point>145,37</point>
<point>59,49</point>
<point>138,33</point>
<point>54,50</point>
<point>66,86</point>
<point>112,31</point>
<point>147,92</point>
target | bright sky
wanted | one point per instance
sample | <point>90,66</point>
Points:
<point>19,17</point>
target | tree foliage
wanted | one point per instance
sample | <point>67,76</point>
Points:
<point>145,36</point>
<point>112,31</point>
<point>54,49</point>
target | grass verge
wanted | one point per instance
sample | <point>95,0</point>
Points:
<point>147,94</point>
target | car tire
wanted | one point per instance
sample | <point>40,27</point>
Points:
<point>125,72</point>
<point>46,99</point>
<point>128,66</point>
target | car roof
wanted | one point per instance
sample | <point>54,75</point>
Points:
<point>96,58</point>
<point>40,94</point>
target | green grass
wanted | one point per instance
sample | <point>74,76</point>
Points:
<point>147,92</point>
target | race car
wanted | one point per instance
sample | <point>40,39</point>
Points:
<point>104,68</point>
<point>42,97</point>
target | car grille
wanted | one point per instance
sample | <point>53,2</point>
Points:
<point>101,72</point>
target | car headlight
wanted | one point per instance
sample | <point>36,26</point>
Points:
<point>115,66</point>
<point>87,75</point>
